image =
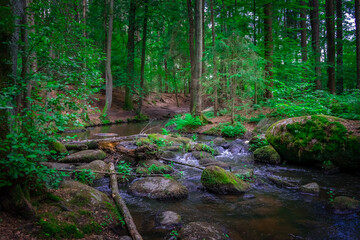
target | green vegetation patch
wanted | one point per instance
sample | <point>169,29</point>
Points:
<point>228,130</point>
<point>185,122</point>
<point>52,228</point>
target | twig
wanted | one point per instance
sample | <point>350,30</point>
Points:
<point>108,173</point>
<point>180,163</point>
<point>141,132</point>
<point>122,205</point>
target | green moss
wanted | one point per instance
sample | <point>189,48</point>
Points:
<point>80,201</point>
<point>220,176</point>
<point>92,227</point>
<point>206,148</point>
<point>52,228</point>
<point>267,154</point>
<point>85,212</point>
<point>58,147</point>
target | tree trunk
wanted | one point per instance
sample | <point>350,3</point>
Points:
<point>330,35</point>
<point>130,56</point>
<point>108,75</point>
<point>339,47</point>
<point>166,76</point>
<point>216,105</point>
<point>315,32</point>
<point>191,50</point>
<point>196,107</point>
<point>254,41</point>
<point>143,51</point>
<point>25,55</point>
<point>357,33</point>
<point>303,32</point>
<point>268,49</point>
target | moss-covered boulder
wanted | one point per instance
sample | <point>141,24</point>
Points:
<point>316,139</point>
<point>205,148</point>
<point>312,188</point>
<point>216,179</point>
<point>201,155</point>
<point>258,141</point>
<point>202,230</point>
<point>159,188</point>
<point>58,147</point>
<point>267,154</point>
<point>76,210</point>
<point>153,167</point>
<point>85,156</point>
<point>97,165</point>
<point>219,141</point>
<point>76,146</point>
<point>345,205</point>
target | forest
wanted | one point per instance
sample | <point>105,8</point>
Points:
<point>181,119</point>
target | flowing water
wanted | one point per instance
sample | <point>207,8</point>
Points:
<point>265,212</point>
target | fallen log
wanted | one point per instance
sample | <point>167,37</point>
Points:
<point>122,205</point>
<point>180,163</point>
<point>112,139</point>
<point>118,174</point>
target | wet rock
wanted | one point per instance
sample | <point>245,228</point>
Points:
<point>172,148</point>
<point>249,196</point>
<point>264,124</point>
<point>84,156</point>
<point>159,188</point>
<point>310,188</point>
<point>168,155</point>
<point>219,141</point>
<point>216,179</point>
<point>97,165</point>
<point>237,146</point>
<point>125,238</point>
<point>316,139</point>
<point>76,146</point>
<point>201,230</point>
<point>345,205</point>
<point>245,173</point>
<point>106,134</point>
<point>168,220</point>
<point>267,154</point>
<point>201,155</point>
<point>282,182</point>
<point>205,148</point>
<point>153,166</point>
<point>57,165</point>
<point>58,147</point>
<point>212,162</point>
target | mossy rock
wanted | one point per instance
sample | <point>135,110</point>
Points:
<point>58,147</point>
<point>205,148</point>
<point>76,146</point>
<point>267,154</point>
<point>258,141</point>
<point>85,156</point>
<point>219,141</point>
<point>281,182</point>
<point>216,179</point>
<point>245,173</point>
<point>312,188</point>
<point>168,155</point>
<point>315,139</point>
<point>159,188</point>
<point>206,162</point>
<point>97,165</point>
<point>345,205</point>
<point>202,155</point>
<point>153,167</point>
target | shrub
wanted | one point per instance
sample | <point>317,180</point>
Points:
<point>85,176</point>
<point>186,122</point>
<point>234,130</point>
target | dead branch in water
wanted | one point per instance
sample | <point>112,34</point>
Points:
<point>180,163</point>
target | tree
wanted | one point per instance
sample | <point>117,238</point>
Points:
<point>108,74</point>
<point>191,51</point>
<point>303,32</point>
<point>268,49</point>
<point>216,105</point>
<point>339,47</point>
<point>130,56</point>
<point>330,35</point>
<point>315,32</point>
<point>357,34</point>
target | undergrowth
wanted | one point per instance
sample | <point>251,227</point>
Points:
<point>186,122</point>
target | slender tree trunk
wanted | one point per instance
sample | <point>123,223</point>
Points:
<point>176,88</point>
<point>196,107</point>
<point>254,41</point>
<point>131,55</point>
<point>143,51</point>
<point>166,76</point>
<point>303,32</point>
<point>108,75</point>
<point>268,49</point>
<point>191,50</point>
<point>330,35</point>
<point>216,105</point>
<point>315,32</point>
<point>357,34</point>
<point>339,47</point>
<point>25,56</point>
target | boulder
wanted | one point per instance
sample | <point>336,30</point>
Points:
<point>58,147</point>
<point>282,182</point>
<point>168,220</point>
<point>97,165</point>
<point>159,188</point>
<point>201,155</point>
<point>267,154</point>
<point>345,205</point>
<point>216,179</point>
<point>168,155</point>
<point>315,139</point>
<point>57,165</point>
<point>245,173</point>
<point>312,188</point>
<point>212,162</point>
<point>125,238</point>
<point>202,230</point>
<point>257,141</point>
<point>219,141</point>
<point>86,156</point>
<point>153,166</point>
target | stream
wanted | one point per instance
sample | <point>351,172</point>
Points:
<point>265,212</point>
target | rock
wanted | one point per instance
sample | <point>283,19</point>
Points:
<point>212,162</point>
<point>202,230</point>
<point>201,155</point>
<point>97,165</point>
<point>257,141</point>
<point>205,148</point>
<point>267,154</point>
<point>125,238</point>
<point>217,180</point>
<point>76,146</point>
<point>153,166</point>
<point>168,155</point>
<point>245,173</point>
<point>58,147</point>
<point>316,139</point>
<point>84,156</point>
<point>282,182</point>
<point>159,188</point>
<point>264,124</point>
<point>57,165</point>
<point>237,146</point>
<point>168,220</point>
<point>345,205</point>
<point>310,188</point>
<point>219,141</point>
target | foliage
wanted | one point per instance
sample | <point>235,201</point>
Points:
<point>86,176</point>
<point>164,131</point>
<point>174,234</point>
<point>233,130</point>
<point>168,176</point>
<point>257,142</point>
<point>124,168</point>
<point>186,122</point>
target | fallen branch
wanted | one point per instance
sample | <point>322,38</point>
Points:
<point>122,205</point>
<point>118,174</point>
<point>113,139</point>
<point>180,163</point>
